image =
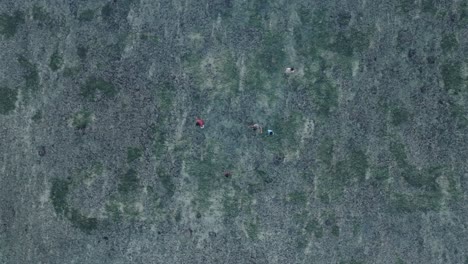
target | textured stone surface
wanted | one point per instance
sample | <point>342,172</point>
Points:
<point>101,161</point>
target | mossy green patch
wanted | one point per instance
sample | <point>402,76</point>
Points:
<point>356,228</point>
<point>56,61</point>
<point>335,231</point>
<point>352,261</point>
<point>425,179</point>
<point>151,37</point>
<point>86,16</point>
<point>406,6</point>
<point>114,210</point>
<point>128,182</point>
<point>405,40</point>
<point>298,198</point>
<point>8,98</point>
<point>399,153</point>
<point>325,151</point>
<point>399,116</point>
<point>165,96</point>
<point>255,79</point>
<point>313,226</point>
<point>81,120</point>
<point>425,192</point>
<point>271,55</point>
<point>85,224</point>
<point>40,14</point>
<point>429,6</point>
<point>315,33</point>
<point>346,43</point>
<point>82,52</point>
<point>285,127</point>
<point>96,169</point>
<point>324,197</point>
<point>324,97</point>
<point>229,75</point>
<point>167,182</point>
<point>207,171</point>
<point>94,86</point>
<point>221,8</point>
<point>343,18</point>
<point>231,206</point>
<point>400,261</point>
<point>408,203</point>
<point>343,173</point>
<point>452,76</point>
<point>449,42</point>
<point>252,230</point>
<point>380,173</point>
<point>58,195</point>
<point>421,179</point>
<point>9,23</point>
<point>70,71</point>
<point>458,112</point>
<point>178,216</point>
<point>30,73</point>
<point>342,45</point>
<point>37,116</point>
<point>463,9</point>
<point>107,11</point>
<point>353,167</point>
<point>133,154</point>
<point>258,13</point>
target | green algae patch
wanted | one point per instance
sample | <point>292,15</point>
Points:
<point>424,192</point>
<point>133,154</point>
<point>299,198</point>
<point>409,203</point>
<point>231,206</point>
<point>335,231</point>
<point>82,52</point>
<point>37,116</point>
<point>9,23</point>
<point>71,71</point>
<point>452,76</point>
<point>56,61</point>
<point>252,230</point>
<point>399,116</point>
<point>272,54</point>
<point>314,227</point>
<point>81,120</point>
<point>40,14</point>
<point>167,183</point>
<point>128,182</point>
<point>86,15</point>
<point>353,167</point>
<point>405,6</point>
<point>429,6</point>
<point>58,195</point>
<point>8,98</point>
<point>324,97</point>
<point>449,42</point>
<point>85,224</point>
<point>95,86</point>
<point>30,73</point>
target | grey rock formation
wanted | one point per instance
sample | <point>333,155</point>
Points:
<point>101,161</point>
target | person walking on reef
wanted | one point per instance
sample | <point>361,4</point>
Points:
<point>200,122</point>
<point>256,127</point>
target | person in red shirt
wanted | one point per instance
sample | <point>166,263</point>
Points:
<point>200,122</point>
